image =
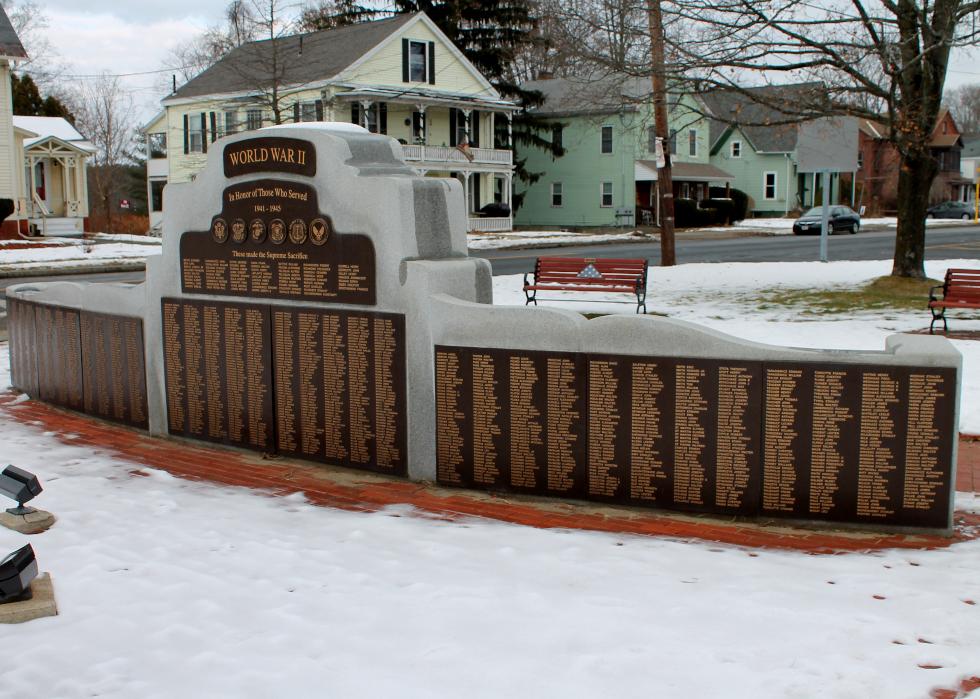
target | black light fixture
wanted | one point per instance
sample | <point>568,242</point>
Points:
<point>19,485</point>
<point>16,573</point>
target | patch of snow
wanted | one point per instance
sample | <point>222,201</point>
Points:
<point>514,239</point>
<point>130,238</point>
<point>44,257</point>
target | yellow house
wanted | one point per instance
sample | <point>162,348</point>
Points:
<point>401,77</point>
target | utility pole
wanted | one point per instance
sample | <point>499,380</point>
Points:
<point>665,183</point>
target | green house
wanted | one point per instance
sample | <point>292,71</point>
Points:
<point>608,174</point>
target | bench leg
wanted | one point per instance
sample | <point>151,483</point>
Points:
<point>531,297</point>
<point>641,302</point>
<point>939,316</point>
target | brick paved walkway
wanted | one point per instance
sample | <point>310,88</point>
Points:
<point>354,490</point>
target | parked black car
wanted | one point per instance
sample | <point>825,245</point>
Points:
<point>843,219</point>
<point>951,209</point>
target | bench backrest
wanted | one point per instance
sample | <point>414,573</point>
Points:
<point>962,284</point>
<point>565,270</point>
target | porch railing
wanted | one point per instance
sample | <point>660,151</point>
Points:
<point>450,154</point>
<point>488,224</point>
<point>41,210</point>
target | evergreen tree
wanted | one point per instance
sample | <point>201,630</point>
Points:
<point>28,101</point>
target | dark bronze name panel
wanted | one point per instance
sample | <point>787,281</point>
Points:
<point>271,241</point>
<point>92,362</point>
<point>218,372</point>
<point>835,442</point>
<point>270,154</point>
<point>340,394</point>
<point>322,385</point>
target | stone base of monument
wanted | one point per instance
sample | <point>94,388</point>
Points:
<point>40,603</point>
<point>33,523</point>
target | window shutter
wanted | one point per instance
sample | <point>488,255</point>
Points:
<point>295,112</point>
<point>404,60</point>
<point>214,127</point>
<point>355,113</point>
<point>432,63</point>
<point>452,126</point>
<point>383,118</point>
<point>475,129</point>
<point>319,110</point>
<point>187,137</point>
<point>204,132</point>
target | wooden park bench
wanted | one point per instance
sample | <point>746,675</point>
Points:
<point>589,274</point>
<point>960,290</point>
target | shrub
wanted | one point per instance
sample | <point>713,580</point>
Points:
<point>740,201</point>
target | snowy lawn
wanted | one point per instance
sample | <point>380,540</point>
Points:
<point>176,588</point>
<point>530,239</point>
<point>725,296</point>
<point>76,253</point>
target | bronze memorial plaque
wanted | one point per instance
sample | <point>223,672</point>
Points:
<point>21,326</point>
<point>113,368</point>
<point>270,154</point>
<point>846,443</point>
<point>270,240</point>
<point>218,372</point>
<point>340,387</point>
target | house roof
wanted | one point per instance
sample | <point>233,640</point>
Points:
<point>10,46</point>
<point>971,145</point>
<point>325,54</point>
<point>46,128</point>
<point>758,121</point>
<point>588,95</point>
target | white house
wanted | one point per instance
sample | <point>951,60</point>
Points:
<point>42,161</point>
<point>400,76</point>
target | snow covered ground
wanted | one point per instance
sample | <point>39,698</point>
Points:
<point>531,239</point>
<point>176,588</point>
<point>76,253</point>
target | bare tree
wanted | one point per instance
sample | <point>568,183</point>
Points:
<point>43,63</point>
<point>107,117</point>
<point>964,103</point>
<point>191,57</point>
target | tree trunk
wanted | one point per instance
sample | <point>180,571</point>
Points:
<point>915,178</point>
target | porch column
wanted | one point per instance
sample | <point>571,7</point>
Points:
<point>365,108</point>
<point>510,130</point>
<point>423,127</point>
<point>32,185</point>
<point>65,194</point>
<point>508,189</point>
<point>466,124</point>
<point>466,194</point>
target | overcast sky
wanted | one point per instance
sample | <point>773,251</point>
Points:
<point>133,36</point>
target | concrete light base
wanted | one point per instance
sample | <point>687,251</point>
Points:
<point>33,523</point>
<point>41,604</point>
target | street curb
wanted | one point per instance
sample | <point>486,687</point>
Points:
<point>12,271</point>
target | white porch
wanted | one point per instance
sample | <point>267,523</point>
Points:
<point>57,191</point>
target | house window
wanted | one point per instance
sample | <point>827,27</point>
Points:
<point>769,185</point>
<point>156,194</point>
<point>307,111</point>
<point>685,190</point>
<point>607,194</point>
<point>673,141</point>
<point>651,139</point>
<point>253,119</point>
<point>157,145</point>
<point>195,138</point>
<point>736,149</point>
<point>556,134</point>
<point>231,122</point>
<point>692,142</point>
<point>556,194</point>
<point>860,160</point>
<point>418,62</point>
<point>607,136</point>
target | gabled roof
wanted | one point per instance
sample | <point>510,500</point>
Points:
<point>46,128</point>
<point>759,122</point>
<point>10,46</point>
<point>324,55</point>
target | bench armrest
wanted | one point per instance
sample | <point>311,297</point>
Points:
<point>932,294</point>
<point>525,278</point>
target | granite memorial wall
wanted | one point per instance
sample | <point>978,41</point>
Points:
<point>314,298</point>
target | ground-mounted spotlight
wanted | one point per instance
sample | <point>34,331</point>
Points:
<point>19,485</point>
<point>16,573</point>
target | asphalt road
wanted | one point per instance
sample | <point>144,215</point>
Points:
<point>955,242</point>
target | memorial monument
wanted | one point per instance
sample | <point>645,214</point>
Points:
<point>314,298</point>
